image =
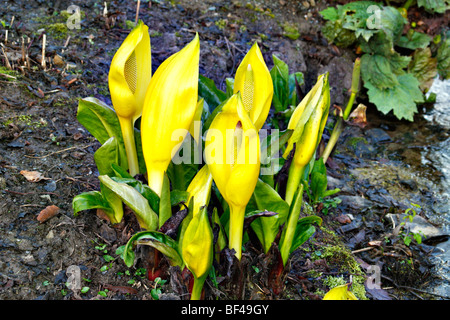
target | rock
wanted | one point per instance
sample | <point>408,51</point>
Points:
<point>419,225</point>
<point>356,202</point>
<point>377,135</point>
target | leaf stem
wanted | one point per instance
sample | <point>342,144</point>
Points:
<point>294,177</point>
<point>197,287</point>
<point>289,230</point>
<point>339,125</point>
<point>236,229</point>
<point>127,126</point>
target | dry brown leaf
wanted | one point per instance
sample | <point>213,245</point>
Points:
<point>33,176</point>
<point>47,213</point>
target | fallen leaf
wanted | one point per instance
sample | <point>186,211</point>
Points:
<point>344,219</point>
<point>33,176</point>
<point>47,213</point>
<point>121,289</point>
<point>358,116</point>
<point>376,243</point>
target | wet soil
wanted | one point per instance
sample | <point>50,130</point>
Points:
<point>39,133</point>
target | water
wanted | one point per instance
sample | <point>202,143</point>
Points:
<point>437,155</point>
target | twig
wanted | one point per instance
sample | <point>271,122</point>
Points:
<point>6,58</point>
<point>137,12</point>
<point>363,249</point>
<point>415,289</point>
<point>60,151</point>
<point>43,51</point>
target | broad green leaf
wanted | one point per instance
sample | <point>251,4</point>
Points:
<point>415,41</point>
<point>114,201</point>
<point>400,99</point>
<point>319,181</point>
<point>207,90</point>
<point>293,94</point>
<point>90,200</point>
<point>304,230</point>
<point>165,208</point>
<point>183,167</point>
<point>102,122</point>
<point>438,6</point>
<point>443,59</point>
<point>329,13</point>
<point>120,172</point>
<point>267,199</point>
<point>163,243</point>
<point>280,79</point>
<point>377,71</point>
<point>178,196</point>
<point>106,156</point>
<point>151,196</point>
<point>139,151</point>
<point>335,33</point>
<point>424,68</point>
<point>146,217</point>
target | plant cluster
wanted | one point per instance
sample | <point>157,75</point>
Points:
<point>195,166</point>
<point>398,68</point>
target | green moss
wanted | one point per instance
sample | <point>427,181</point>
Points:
<point>353,141</point>
<point>26,120</point>
<point>221,23</point>
<point>57,30</point>
<point>291,31</point>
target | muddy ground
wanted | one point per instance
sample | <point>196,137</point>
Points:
<point>39,132</point>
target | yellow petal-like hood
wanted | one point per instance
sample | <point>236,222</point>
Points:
<point>340,293</point>
<point>197,246</point>
<point>130,73</point>
<point>232,152</point>
<point>254,82</point>
<point>169,106</point>
<point>200,189</point>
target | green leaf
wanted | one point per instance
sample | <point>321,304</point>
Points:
<point>151,196</point>
<point>438,6</point>
<point>400,99</point>
<point>304,230</point>
<point>293,94</point>
<point>443,59</point>
<point>337,34</point>
<point>207,90</point>
<point>378,71</point>
<point>163,243</point>
<point>267,199</point>
<point>102,122</point>
<point>165,208</point>
<point>106,156</point>
<point>280,79</point>
<point>146,217</point>
<point>329,13</point>
<point>424,68</point>
<point>90,200</point>
<point>414,41</point>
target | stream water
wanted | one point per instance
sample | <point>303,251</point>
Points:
<point>437,156</point>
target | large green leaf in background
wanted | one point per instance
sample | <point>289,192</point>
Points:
<point>438,6</point>
<point>424,68</point>
<point>400,99</point>
<point>443,59</point>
